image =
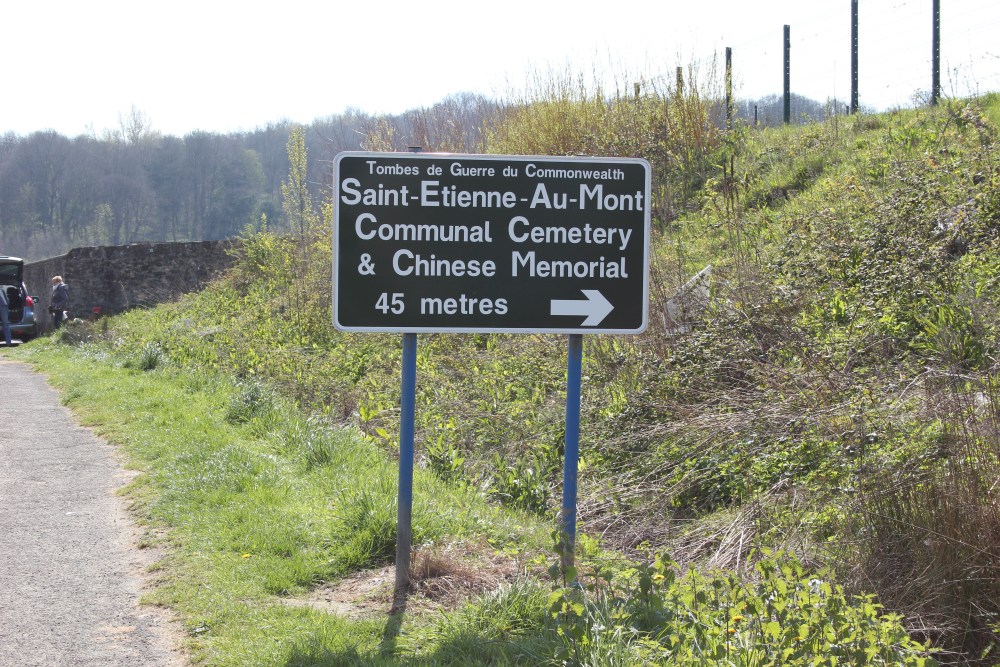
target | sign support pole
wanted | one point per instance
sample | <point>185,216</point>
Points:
<point>571,455</point>
<point>404,510</point>
<point>404,502</point>
<point>488,233</point>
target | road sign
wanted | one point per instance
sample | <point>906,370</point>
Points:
<point>486,243</point>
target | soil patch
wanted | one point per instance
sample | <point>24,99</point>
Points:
<point>441,579</point>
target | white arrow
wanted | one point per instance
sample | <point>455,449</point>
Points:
<point>595,307</point>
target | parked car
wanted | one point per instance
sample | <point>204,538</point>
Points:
<point>21,306</point>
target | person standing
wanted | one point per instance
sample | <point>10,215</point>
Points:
<point>5,315</point>
<point>60,297</point>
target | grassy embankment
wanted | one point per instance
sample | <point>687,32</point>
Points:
<point>837,399</point>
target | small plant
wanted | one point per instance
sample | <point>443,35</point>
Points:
<point>525,484</point>
<point>315,442</point>
<point>783,616</point>
<point>76,332</point>
<point>250,400</point>
<point>444,458</point>
<point>149,357</point>
<point>367,522</point>
<point>951,335</point>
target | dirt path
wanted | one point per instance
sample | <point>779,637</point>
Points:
<point>70,573</point>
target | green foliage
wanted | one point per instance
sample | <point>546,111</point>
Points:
<point>317,443</point>
<point>295,196</point>
<point>950,334</point>
<point>443,456</point>
<point>834,395</point>
<point>674,130</point>
<point>657,613</point>
<point>266,257</point>
<point>502,627</point>
<point>367,523</point>
<point>147,358</point>
<point>525,482</point>
<point>251,400</point>
<point>888,264</point>
<point>257,501</point>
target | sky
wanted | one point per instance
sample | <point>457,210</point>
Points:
<point>83,66</point>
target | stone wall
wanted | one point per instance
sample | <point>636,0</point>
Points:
<point>111,279</point>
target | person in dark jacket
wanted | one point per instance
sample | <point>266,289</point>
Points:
<point>60,297</point>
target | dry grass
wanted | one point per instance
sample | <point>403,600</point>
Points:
<point>452,574</point>
<point>441,578</point>
<point>930,541</point>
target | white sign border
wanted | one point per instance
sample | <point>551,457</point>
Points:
<point>647,215</point>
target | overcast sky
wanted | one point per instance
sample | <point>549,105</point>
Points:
<point>80,66</point>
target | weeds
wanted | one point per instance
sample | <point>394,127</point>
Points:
<point>149,357</point>
<point>525,482</point>
<point>836,396</point>
<point>367,522</point>
<point>251,400</point>
<point>655,612</point>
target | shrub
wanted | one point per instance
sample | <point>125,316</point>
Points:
<point>251,400</point>
<point>147,358</point>
<point>656,613</point>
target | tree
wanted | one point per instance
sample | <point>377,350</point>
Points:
<point>295,196</point>
<point>238,183</point>
<point>169,180</point>
<point>300,211</point>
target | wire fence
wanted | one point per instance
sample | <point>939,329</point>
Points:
<point>894,54</point>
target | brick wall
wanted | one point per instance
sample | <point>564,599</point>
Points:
<point>116,278</point>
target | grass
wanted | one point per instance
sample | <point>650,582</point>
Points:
<point>250,513</point>
<point>837,398</point>
<point>251,518</point>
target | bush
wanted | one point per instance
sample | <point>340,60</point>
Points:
<point>147,358</point>
<point>251,400</point>
<point>657,614</point>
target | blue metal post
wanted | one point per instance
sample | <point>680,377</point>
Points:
<point>572,452</point>
<point>407,418</point>
<point>404,512</point>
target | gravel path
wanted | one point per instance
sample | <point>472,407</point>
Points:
<point>70,573</point>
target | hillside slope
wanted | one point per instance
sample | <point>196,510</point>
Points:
<point>836,397</point>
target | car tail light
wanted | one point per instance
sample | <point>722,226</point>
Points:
<point>29,301</point>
